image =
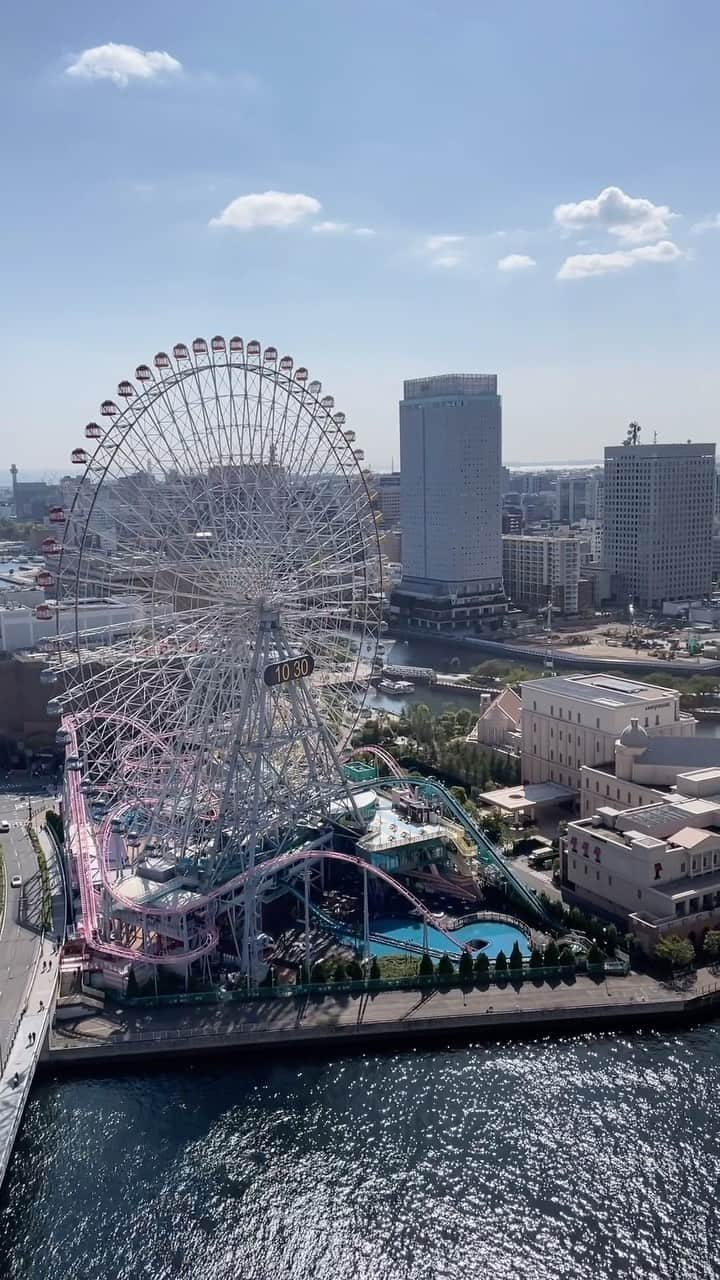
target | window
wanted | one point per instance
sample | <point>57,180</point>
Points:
<point>657,719</point>
<point>552,755</point>
<point>552,733</point>
<point>639,893</point>
<point>597,723</point>
<point>597,785</point>
<point>607,789</point>
<point>609,879</point>
<point>578,715</point>
<point>597,875</point>
<point>552,711</point>
<point>629,798</point>
<point>534,705</point>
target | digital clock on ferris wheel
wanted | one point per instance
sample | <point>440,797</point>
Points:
<point>289,669</point>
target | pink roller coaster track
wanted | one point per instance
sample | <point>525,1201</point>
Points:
<point>86,846</point>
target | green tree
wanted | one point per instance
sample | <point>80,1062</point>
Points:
<point>465,967</point>
<point>340,972</point>
<point>459,793</point>
<point>355,970</point>
<point>516,958</point>
<point>445,967</point>
<point>674,952</point>
<point>711,945</point>
<point>566,958</point>
<point>594,956</point>
<point>375,974</point>
<point>501,963</point>
<point>552,955</point>
<point>320,971</point>
<point>536,959</point>
<point>426,969</point>
<point>611,939</point>
<point>482,965</point>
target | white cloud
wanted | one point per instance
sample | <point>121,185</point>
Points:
<point>432,244</point>
<point>364,231</point>
<point>706,224</point>
<point>582,265</point>
<point>122,63</point>
<point>516,262</point>
<point>266,209</point>
<point>443,251</point>
<point>630,218</point>
<point>330,227</point>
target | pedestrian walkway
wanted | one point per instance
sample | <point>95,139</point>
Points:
<point>17,1072</point>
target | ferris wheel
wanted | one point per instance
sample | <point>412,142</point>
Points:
<point>220,563</point>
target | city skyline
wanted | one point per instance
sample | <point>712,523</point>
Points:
<point>204,179</point>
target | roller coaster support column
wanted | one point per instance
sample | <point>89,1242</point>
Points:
<point>425,934</point>
<point>366,917</point>
<point>306,888</point>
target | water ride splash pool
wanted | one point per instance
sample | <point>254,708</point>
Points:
<point>495,935</point>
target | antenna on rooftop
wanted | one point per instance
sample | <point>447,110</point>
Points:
<point>548,664</point>
<point>633,433</point>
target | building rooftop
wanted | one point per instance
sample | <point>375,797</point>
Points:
<point>450,384</point>
<point>681,751</point>
<point>607,690</point>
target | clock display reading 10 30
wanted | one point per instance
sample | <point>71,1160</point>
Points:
<point>289,669</point>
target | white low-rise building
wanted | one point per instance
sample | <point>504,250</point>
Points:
<point>571,722</point>
<point>644,768</point>
<point>655,869</point>
<point>499,722</point>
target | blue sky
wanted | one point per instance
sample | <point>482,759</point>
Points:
<point>461,135</point>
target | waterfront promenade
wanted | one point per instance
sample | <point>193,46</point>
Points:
<point>118,1033</point>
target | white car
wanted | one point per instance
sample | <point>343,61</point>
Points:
<point>4,826</point>
<point>16,882</point>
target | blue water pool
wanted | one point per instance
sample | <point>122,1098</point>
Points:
<point>499,937</point>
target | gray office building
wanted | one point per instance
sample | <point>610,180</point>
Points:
<point>657,537</point>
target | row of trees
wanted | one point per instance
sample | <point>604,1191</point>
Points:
<point>467,971</point>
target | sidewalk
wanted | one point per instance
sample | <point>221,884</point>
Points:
<point>23,1057</point>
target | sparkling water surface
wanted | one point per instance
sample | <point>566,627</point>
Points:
<point>593,1158</point>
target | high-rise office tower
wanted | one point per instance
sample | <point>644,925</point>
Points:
<point>450,464</point>
<point>657,538</point>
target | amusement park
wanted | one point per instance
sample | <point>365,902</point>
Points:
<point>221,556</point>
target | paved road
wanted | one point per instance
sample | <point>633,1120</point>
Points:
<point>20,932</point>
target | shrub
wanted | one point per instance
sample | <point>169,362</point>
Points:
<point>675,952</point>
<point>355,970</point>
<point>501,962</point>
<point>594,956</point>
<point>536,959</point>
<point>515,962</point>
<point>482,965</point>
<point>465,967</point>
<point>374,970</point>
<point>445,967</point>
<point>339,972</point>
<point>566,958</point>
<point>552,955</point>
<point>320,972</point>
<point>426,969</point>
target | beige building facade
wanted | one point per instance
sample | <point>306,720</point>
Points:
<point>573,722</point>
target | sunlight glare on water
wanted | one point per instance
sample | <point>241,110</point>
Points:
<point>594,1158</point>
